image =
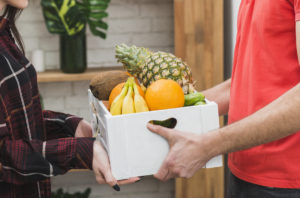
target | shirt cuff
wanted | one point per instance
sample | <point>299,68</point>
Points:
<point>84,153</point>
<point>72,122</point>
<point>69,153</point>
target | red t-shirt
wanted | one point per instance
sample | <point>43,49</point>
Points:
<point>265,67</point>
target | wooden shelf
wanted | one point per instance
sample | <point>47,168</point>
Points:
<point>59,76</point>
<point>79,170</point>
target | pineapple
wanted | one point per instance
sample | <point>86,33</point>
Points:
<point>148,66</point>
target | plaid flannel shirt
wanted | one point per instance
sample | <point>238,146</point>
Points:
<point>34,144</point>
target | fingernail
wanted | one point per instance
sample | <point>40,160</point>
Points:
<point>116,187</point>
<point>139,179</point>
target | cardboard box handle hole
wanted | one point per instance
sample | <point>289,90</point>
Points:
<point>168,123</point>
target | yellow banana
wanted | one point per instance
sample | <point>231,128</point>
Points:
<point>128,105</point>
<point>139,102</point>
<point>116,106</point>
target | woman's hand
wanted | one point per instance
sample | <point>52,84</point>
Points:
<point>188,153</point>
<point>101,165</point>
<point>102,170</point>
<point>84,129</point>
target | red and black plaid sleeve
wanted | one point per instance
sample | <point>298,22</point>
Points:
<point>26,161</point>
<point>60,125</point>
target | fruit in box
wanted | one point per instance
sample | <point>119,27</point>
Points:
<point>129,100</point>
<point>148,66</point>
<point>116,106</point>
<point>164,94</point>
<point>102,83</point>
<point>128,103</point>
<point>195,98</point>
<point>139,101</point>
<point>117,90</point>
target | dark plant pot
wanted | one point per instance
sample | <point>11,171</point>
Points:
<point>73,57</point>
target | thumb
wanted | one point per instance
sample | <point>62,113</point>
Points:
<point>162,131</point>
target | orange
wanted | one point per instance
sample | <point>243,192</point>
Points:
<point>164,94</point>
<point>117,90</point>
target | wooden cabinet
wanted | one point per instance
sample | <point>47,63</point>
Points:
<point>199,41</point>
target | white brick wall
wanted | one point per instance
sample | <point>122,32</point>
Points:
<point>148,187</point>
<point>147,23</point>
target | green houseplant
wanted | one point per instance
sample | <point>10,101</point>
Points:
<point>69,19</point>
<point>61,194</point>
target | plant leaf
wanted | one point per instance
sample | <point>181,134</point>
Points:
<point>63,17</point>
<point>71,16</point>
<point>96,13</point>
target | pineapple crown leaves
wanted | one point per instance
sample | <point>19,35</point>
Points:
<point>132,57</point>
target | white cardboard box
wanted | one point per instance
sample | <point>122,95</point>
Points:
<point>134,150</point>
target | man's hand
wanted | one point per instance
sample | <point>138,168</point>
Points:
<point>83,129</point>
<point>188,153</point>
<point>102,170</point>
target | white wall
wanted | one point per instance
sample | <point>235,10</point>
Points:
<point>231,12</point>
<point>235,7</point>
<point>147,188</point>
<point>147,23</point>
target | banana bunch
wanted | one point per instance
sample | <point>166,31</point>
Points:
<point>129,100</point>
<point>194,99</point>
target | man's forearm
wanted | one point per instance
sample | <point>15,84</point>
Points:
<point>220,94</point>
<point>277,120</point>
